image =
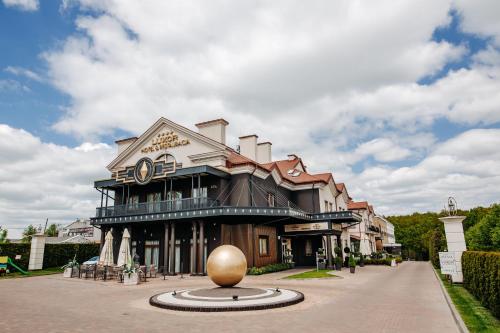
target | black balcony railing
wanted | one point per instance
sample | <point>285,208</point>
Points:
<point>157,207</point>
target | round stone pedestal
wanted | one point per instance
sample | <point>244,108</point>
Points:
<point>226,299</point>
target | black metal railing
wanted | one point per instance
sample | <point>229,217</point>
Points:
<point>157,207</point>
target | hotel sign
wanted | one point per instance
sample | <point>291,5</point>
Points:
<point>165,140</point>
<point>306,227</point>
<point>448,263</point>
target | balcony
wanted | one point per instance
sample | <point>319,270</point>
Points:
<point>167,206</point>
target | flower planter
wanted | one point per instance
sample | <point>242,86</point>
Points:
<point>352,269</point>
<point>70,272</point>
<point>130,279</point>
<point>338,266</point>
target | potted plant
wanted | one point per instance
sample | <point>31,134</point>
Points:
<point>352,264</point>
<point>130,275</point>
<point>361,260</point>
<point>338,263</point>
<point>338,258</point>
<point>347,250</point>
<point>70,267</point>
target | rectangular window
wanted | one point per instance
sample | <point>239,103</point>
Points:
<point>133,202</point>
<point>271,200</point>
<point>309,248</point>
<point>327,206</point>
<point>264,245</point>
<point>153,200</point>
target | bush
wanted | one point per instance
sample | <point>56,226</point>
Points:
<point>386,261</point>
<point>57,255</point>
<point>12,249</point>
<point>437,243</point>
<point>481,278</point>
<point>269,268</point>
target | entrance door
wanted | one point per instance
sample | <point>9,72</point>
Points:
<point>304,249</point>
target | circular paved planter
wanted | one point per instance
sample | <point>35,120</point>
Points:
<point>226,299</point>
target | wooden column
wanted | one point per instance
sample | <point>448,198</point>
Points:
<point>192,266</point>
<point>103,236</point>
<point>329,263</point>
<point>165,246</point>
<point>172,250</point>
<point>201,247</point>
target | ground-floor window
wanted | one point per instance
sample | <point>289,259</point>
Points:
<point>264,245</point>
<point>152,252</point>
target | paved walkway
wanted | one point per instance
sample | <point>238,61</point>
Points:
<point>375,299</point>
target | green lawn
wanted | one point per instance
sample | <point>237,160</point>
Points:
<point>314,274</point>
<point>47,271</point>
<point>476,317</point>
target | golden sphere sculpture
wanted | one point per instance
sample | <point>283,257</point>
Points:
<point>226,265</point>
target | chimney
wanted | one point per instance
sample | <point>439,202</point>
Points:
<point>124,144</point>
<point>248,146</point>
<point>214,129</point>
<point>264,152</point>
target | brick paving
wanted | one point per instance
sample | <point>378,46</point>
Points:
<point>375,299</point>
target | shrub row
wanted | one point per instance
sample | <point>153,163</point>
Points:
<point>11,250</point>
<point>386,261</point>
<point>55,255</point>
<point>481,272</point>
<point>269,269</point>
<point>59,254</point>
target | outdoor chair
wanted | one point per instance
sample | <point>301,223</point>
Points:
<point>99,272</point>
<point>89,271</point>
<point>118,272</point>
<point>152,271</point>
<point>142,273</point>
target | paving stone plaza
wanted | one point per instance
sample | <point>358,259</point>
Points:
<point>411,301</point>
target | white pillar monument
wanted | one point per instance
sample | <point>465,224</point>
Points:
<point>36,253</point>
<point>455,239</point>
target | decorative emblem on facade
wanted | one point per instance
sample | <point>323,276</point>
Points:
<point>143,171</point>
<point>163,141</point>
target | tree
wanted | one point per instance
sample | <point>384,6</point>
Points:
<point>437,243</point>
<point>28,233</point>
<point>3,235</point>
<point>485,235</point>
<point>52,231</point>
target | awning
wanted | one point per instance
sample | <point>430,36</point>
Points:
<point>355,237</point>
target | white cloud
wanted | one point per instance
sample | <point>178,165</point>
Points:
<point>383,150</point>
<point>335,82</point>
<point>26,5</point>
<point>19,71</point>
<point>41,180</point>
<point>196,61</point>
<point>480,17</point>
<point>466,166</point>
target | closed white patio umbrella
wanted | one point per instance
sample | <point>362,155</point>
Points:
<point>124,257</point>
<point>106,257</point>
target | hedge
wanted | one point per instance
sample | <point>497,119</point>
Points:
<point>55,255</point>
<point>59,254</point>
<point>12,249</point>
<point>481,272</point>
<point>269,269</point>
<point>386,261</point>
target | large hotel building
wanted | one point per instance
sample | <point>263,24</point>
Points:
<point>182,193</point>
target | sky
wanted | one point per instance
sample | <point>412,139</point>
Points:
<point>399,99</point>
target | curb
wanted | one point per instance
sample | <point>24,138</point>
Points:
<point>456,316</point>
